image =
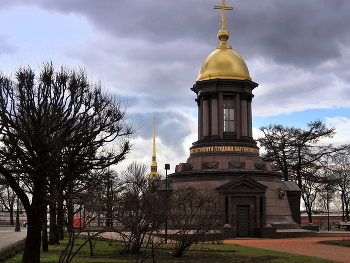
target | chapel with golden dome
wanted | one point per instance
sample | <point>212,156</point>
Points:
<point>225,159</point>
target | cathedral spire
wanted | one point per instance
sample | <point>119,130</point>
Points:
<point>154,174</point>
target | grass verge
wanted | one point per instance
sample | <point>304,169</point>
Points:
<point>108,251</point>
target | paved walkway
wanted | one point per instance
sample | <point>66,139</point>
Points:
<point>8,235</point>
<point>302,246</point>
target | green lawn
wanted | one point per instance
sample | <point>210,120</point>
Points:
<point>213,253</point>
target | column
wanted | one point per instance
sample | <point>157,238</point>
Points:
<point>206,116</point>
<point>250,122</point>
<point>244,116</point>
<point>214,115</point>
<point>200,118</point>
<point>238,116</point>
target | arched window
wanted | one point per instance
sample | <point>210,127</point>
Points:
<point>229,114</point>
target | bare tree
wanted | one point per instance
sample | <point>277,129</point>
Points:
<point>99,196</point>
<point>293,149</point>
<point>130,210</point>
<point>312,188</point>
<point>140,210</point>
<point>340,167</point>
<point>193,214</point>
<point>298,154</point>
<point>55,121</point>
<point>7,198</point>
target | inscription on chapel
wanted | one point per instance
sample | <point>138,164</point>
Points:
<point>211,149</point>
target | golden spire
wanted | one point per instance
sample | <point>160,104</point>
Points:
<point>154,174</point>
<point>154,138</point>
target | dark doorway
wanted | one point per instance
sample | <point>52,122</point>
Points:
<point>243,220</point>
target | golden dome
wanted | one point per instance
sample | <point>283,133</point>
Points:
<point>223,62</point>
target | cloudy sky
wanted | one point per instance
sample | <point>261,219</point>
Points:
<point>149,52</point>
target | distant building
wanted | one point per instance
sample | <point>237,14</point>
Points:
<point>321,218</point>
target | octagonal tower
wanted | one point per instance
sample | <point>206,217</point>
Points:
<point>225,159</point>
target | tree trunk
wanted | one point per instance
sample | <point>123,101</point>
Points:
<point>11,217</point>
<point>45,245</point>
<point>35,220</point>
<point>54,237</point>
<point>342,206</point>
<point>70,207</point>
<point>60,216</point>
<point>308,211</point>
<point>182,249</point>
<point>36,213</point>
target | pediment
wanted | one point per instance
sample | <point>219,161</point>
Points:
<point>242,187</point>
<point>242,184</point>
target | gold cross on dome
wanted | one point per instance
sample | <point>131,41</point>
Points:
<point>223,8</point>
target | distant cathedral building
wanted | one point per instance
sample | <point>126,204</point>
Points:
<point>225,159</point>
<point>153,176</point>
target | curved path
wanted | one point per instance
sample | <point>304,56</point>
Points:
<point>302,246</point>
<point>9,236</point>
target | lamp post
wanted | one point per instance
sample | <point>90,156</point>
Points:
<point>327,188</point>
<point>167,167</point>
<point>18,226</point>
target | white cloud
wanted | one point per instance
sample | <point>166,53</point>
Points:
<point>342,125</point>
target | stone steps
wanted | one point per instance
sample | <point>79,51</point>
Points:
<point>332,234</point>
<point>294,233</point>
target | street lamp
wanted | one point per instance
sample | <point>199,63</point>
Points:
<point>167,167</point>
<point>18,227</point>
<point>327,188</point>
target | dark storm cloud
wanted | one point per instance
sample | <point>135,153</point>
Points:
<point>142,69</point>
<point>150,51</point>
<point>297,32</point>
<point>153,49</point>
<point>301,33</point>
<point>155,20</point>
